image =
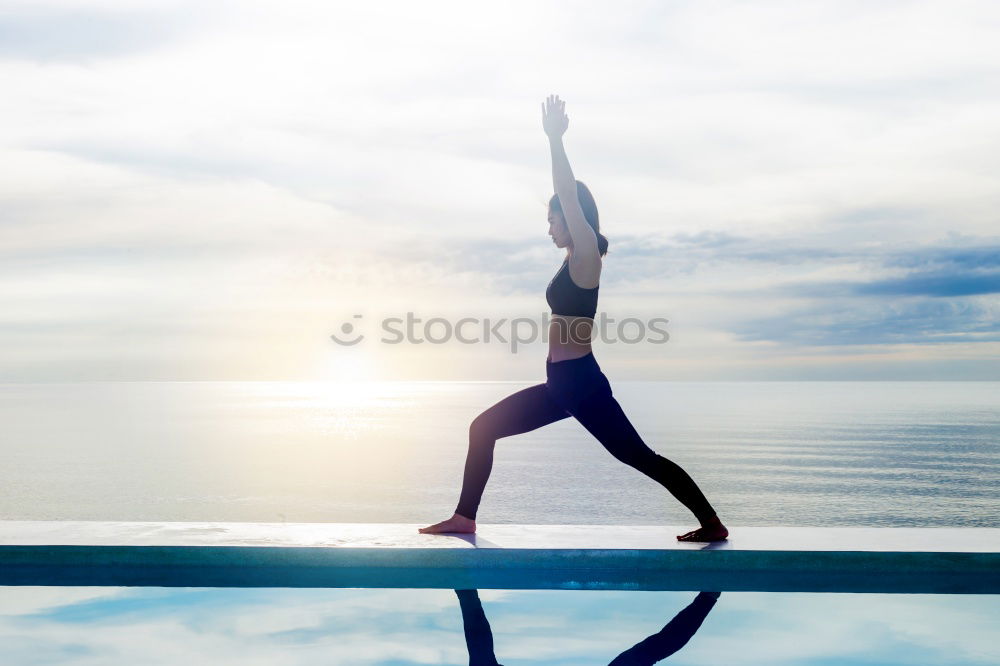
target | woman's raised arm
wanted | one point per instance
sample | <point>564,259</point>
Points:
<point>585,250</point>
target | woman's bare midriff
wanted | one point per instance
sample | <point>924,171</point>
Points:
<point>569,337</point>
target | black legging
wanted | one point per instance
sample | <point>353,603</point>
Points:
<point>575,388</point>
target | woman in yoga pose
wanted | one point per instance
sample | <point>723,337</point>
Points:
<point>575,385</point>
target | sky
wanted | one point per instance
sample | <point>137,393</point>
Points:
<point>208,191</point>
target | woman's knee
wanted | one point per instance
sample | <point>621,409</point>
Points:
<point>481,430</point>
<point>637,454</point>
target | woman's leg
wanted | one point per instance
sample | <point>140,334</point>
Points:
<point>672,637</point>
<point>478,635</point>
<point>519,412</point>
<point>603,417</point>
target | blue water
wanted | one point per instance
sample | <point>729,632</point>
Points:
<point>813,453</point>
<point>361,627</point>
<point>766,453</point>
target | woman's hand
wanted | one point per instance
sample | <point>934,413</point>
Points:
<point>554,118</point>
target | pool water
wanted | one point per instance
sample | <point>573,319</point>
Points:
<point>130,625</point>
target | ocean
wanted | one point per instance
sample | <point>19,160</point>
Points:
<point>891,454</point>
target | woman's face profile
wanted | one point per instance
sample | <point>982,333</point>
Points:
<point>557,229</point>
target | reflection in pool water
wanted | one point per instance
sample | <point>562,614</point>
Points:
<point>658,646</point>
<point>383,627</point>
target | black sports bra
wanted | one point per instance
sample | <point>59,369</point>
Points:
<point>567,299</point>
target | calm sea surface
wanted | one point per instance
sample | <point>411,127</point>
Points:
<point>766,453</point>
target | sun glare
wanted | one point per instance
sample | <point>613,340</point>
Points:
<point>347,368</point>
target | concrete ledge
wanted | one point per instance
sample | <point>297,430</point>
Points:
<point>787,559</point>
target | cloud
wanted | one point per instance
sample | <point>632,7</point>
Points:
<point>271,162</point>
<point>51,34</point>
<point>937,271</point>
<point>841,324</point>
<point>973,255</point>
<point>938,284</point>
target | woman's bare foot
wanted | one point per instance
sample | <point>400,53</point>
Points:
<point>713,530</point>
<point>456,524</point>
